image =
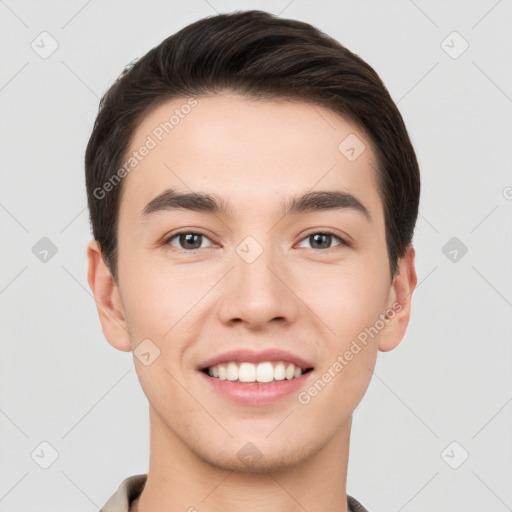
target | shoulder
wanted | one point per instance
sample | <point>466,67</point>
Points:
<point>354,505</point>
<point>129,489</point>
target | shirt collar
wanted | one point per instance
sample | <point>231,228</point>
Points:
<point>132,486</point>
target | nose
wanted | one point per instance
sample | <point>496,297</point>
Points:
<point>258,292</point>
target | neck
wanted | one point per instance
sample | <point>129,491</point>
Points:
<point>179,479</point>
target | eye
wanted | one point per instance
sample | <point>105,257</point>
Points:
<point>323,239</point>
<point>188,240</point>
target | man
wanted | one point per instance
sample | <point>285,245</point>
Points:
<point>253,194</point>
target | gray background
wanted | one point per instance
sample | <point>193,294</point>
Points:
<point>450,378</point>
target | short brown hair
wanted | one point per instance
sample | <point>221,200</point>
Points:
<point>263,56</point>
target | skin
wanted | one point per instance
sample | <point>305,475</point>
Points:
<point>196,304</point>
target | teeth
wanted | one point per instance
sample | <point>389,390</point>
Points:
<point>279,371</point>
<point>248,372</point>
<point>264,372</point>
<point>232,371</point>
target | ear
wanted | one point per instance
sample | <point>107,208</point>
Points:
<point>108,300</point>
<point>399,305</point>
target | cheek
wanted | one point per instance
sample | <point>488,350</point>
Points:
<point>347,298</point>
<point>161,301</point>
<point>147,287</point>
<point>144,300</point>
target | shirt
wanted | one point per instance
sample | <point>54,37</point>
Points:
<point>132,487</point>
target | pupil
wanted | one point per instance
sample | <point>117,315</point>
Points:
<point>187,238</point>
<point>316,237</point>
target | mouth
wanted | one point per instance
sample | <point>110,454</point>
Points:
<point>252,378</point>
<point>256,384</point>
<point>262,373</point>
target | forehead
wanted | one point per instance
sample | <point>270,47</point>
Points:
<point>253,152</point>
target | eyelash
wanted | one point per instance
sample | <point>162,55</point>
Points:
<point>343,242</point>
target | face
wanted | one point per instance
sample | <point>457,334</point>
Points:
<point>250,272</point>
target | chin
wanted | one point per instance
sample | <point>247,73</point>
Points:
<point>252,457</point>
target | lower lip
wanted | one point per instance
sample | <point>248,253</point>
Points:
<point>256,393</point>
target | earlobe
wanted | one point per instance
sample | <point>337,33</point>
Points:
<point>399,307</point>
<point>108,300</point>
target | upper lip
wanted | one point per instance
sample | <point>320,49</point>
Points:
<point>250,356</point>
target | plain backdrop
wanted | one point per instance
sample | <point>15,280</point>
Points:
<point>433,431</point>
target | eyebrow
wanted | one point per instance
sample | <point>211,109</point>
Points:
<point>211,203</point>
